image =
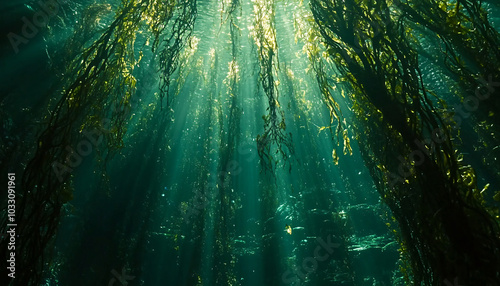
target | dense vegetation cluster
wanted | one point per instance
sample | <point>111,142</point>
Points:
<point>371,67</point>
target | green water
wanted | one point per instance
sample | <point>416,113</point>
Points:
<point>251,142</point>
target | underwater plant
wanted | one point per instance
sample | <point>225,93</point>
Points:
<point>99,85</point>
<point>264,35</point>
<point>370,47</point>
<point>357,70</point>
<point>469,45</point>
<point>175,38</point>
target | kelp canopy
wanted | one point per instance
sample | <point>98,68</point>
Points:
<point>204,121</point>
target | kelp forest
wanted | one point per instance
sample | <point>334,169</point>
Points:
<point>259,142</point>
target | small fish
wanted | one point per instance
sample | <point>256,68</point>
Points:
<point>288,229</point>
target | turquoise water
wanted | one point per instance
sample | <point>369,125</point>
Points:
<point>251,142</point>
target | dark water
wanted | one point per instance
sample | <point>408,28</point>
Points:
<point>250,142</point>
